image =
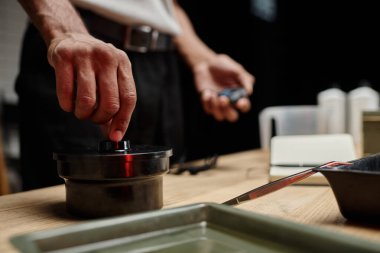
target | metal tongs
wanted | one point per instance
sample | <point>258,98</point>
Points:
<point>279,184</point>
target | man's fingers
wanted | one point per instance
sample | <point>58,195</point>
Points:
<point>216,109</point>
<point>108,103</point>
<point>85,99</point>
<point>127,95</point>
<point>206,98</point>
<point>243,104</point>
<point>229,113</point>
<point>218,106</point>
<point>247,81</point>
<point>210,104</point>
<point>106,64</point>
<point>64,73</point>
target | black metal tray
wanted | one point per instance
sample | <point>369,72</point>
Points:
<point>205,228</point>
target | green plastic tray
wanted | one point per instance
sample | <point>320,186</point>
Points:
<point>202,228</point>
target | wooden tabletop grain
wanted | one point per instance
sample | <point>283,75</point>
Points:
<point>235,174</point>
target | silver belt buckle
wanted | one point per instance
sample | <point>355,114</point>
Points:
<point>140,38</point>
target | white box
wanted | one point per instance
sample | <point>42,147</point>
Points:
<point>291,154</point>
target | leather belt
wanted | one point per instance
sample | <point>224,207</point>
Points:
<point>132,38</point>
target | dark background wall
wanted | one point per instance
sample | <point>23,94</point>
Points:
<point>304,48</point>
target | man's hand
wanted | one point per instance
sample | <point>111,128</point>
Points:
<point>213,76</point>
<point>212,72</point>
<point>94,81</point>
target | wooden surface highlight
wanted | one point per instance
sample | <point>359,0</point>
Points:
<point>235,174</point>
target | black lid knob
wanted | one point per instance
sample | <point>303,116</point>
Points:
<point>113,146</point>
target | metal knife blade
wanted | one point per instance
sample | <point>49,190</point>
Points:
<point>278,184</point>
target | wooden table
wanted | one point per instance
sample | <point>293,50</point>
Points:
<point>235,174</point>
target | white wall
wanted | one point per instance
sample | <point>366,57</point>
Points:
<point>12,25</point>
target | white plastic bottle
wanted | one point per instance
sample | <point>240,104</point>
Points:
<point>332,111</point>
<point>363,98</point>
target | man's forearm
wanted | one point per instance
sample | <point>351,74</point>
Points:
<point>188,43</point>
<point>53,17</point>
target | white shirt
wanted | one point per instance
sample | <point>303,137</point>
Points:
<point>155,13</point>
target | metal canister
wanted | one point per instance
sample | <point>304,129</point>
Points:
<point>116,179</point>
